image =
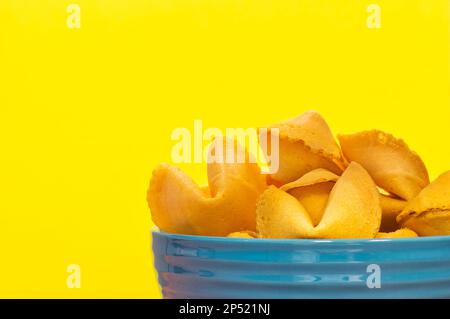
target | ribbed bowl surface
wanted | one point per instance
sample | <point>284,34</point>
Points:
<point>218,267</point>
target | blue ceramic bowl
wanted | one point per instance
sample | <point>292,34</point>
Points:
<point>218,267</point>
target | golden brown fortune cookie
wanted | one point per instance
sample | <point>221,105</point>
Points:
<point>352,210</point>
<point>313,190</point>
<point>391,207</point>
<point>305,143</point>
<point>243,234</point>
<point>428,214</point>
<point>179,205</point>
<point>399,233</point>
<point>392,165</point>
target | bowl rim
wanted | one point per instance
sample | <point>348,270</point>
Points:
<point>300,241</point>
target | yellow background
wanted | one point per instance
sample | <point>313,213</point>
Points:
<point>86,114</point>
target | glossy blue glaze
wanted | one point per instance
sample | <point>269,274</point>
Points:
<point>219,267</point>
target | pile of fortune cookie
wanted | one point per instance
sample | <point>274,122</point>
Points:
<point>370,185</point>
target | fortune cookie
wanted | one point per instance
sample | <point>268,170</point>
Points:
<point>352,210</point>
<point>393,166</point>
<point>243,234</point>
<point>428,214</point>
<point>391,206</point>
<point>179,205</point>
<point>390,162</point>
<point>399,233</point>
<point>305,143</point>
